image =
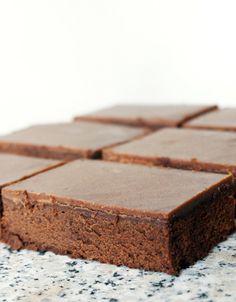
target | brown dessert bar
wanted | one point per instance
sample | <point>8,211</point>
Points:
<point>14,168</point>
<point>144,115</point>
<point>67,140</point>
<point>211,151</point>
<point>143,217</point>
<point>223,119</point>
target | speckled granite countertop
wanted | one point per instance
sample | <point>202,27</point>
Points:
<point>45,277</point>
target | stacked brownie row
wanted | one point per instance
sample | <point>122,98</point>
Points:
<point>129,185</point>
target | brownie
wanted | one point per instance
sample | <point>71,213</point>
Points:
<point>142,217</point>
<point>14,168</point>
<point>223,119</point>
<point>190,149</point>
<point>211,151</point>
<point>67,141</point>
<point>144,115</point>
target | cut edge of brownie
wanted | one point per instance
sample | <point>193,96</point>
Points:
<point>51,166</point>
<point>41,222</point>
<point>194,235</point>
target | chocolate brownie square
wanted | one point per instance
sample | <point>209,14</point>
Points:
<point>67,141</point>
<point>143,217</point>
<point>192,149</point>
<point>146,115</point>
<point>14,168</point>
<point>222,119</point>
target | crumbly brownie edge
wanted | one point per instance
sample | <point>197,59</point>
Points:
<point>82,233</point>
<point>39,171</point>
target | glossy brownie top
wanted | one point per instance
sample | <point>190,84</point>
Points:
<point>82,135</point>
<point>15,167</point>
<point>119,188</point>
<point>155,116</point>
<point>189,145</point>
<point>222,119</point>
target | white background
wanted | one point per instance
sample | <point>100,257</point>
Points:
<point>61,58</point>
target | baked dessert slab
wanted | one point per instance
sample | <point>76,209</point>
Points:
<point>192,149</point>
<point>222,119</point>
<point>147,115</point>
<point>143,217</point>
<point>67,141</point>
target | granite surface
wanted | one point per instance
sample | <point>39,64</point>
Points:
<point>45,277</point>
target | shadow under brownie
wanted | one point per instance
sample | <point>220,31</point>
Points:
<point>143,217</point>
<point>67,141</point>
<point>146,115</point>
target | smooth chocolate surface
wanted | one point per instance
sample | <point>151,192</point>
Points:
<point>121,188</point>
<point>67,140</point>
<point>152,116</point>
<point>14,167</point>
<point>222,119</point>
<point>181,148</point>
